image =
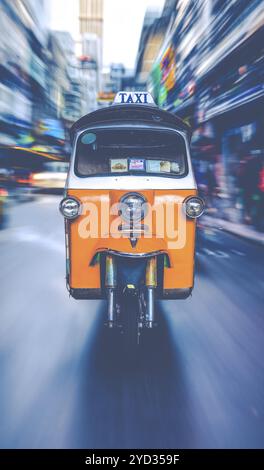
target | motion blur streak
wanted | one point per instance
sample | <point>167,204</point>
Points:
<point>199,382</point>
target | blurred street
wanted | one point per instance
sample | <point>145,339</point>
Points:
<point>200,380</point>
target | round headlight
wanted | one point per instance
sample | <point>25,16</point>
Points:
<point>70,207</point>
<point>194,207</point>
<point>132,207</point>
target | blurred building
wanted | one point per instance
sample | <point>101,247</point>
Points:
<point>58,77</point>
<point>23,64</point>
<point>209,70</point>
<point>155,26</point>
<point>74,93</point>
<point>91,17</point>
<point>91,29</point>
<point>90,70</point>
<point>128,80</point>
<point>92,50</point>
<point>150,41</point>
<point>114,78</point>
<point>117,74</point>
<point>40,82</point>
<point>35,13</point>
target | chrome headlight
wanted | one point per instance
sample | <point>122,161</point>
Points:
<point>70,208</point>
<point>194,207</point>
<point>132,207</point>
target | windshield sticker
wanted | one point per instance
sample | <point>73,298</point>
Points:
<point>88,138</point>
<point>158,166</point>
<point>175,167</point>
<point>136,164</point>
<point>118,165</point>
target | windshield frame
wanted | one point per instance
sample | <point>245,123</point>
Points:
<point>131,173</point>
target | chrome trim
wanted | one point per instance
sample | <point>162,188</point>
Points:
<point>138,196</point>
<point>110,272</point>
<point>74,199</point>
<point>150,313</point>
<point>188,199</point>
<point>139,228</point>
<point>151,273</point>
<point>111,307</point>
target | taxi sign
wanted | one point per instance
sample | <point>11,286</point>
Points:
<point>133,97</point>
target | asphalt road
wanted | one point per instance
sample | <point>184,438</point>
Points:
<point>63,384</point>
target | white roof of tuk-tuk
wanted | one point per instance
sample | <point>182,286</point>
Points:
<point>131,109</point>
<point>130,113</point>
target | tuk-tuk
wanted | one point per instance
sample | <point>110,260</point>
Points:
<point>130,209</point>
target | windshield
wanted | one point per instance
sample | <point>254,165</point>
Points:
<point>126,151</point>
